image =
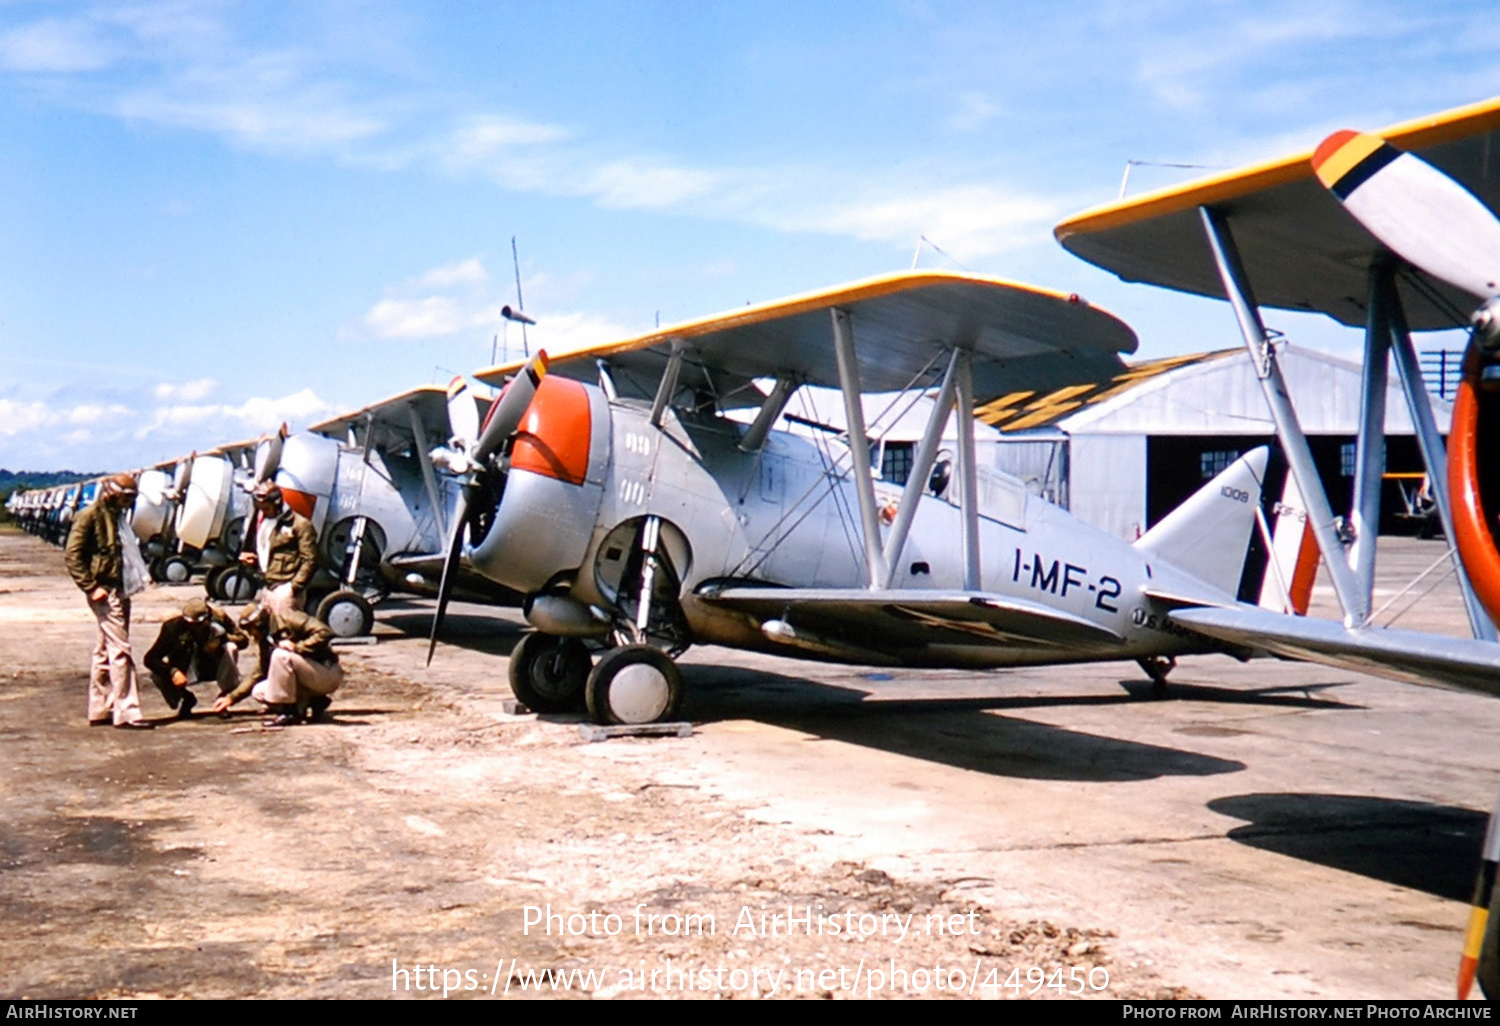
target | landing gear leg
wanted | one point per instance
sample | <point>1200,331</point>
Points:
<point>637,682</point>
<point>1157,668</point>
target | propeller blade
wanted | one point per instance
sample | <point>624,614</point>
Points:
<point>268,455</point>
<point>1479,911</point>
<point>182,474</point>
<point>1419,212</point>
<point>450,566</point>
<point>507,412</point>
<point>463,411</point>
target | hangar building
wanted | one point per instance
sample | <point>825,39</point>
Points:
<point>1122,453</point>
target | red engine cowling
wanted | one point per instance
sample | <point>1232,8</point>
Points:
<point>1474,477</point>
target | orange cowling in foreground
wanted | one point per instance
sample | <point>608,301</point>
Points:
<point>1472,534</point>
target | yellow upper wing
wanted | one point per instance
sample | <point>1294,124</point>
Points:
<point>1022,337</point>
<point>1301,250</point>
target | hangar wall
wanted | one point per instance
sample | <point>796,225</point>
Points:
<point>1137,445</point>
<point>1111,472</point>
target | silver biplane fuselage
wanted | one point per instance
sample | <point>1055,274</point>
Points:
<point>734,524</point>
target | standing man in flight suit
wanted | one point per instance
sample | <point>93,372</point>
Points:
<point>283,544</point>
<point>96,562</point>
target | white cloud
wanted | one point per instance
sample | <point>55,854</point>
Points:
<point>441,301</point>
<point>428,317</point>
<point>974,111</point>
<point>638,184</point>
<point>482,136</point>
<point>464,272</point>
<point>17,417</point>
<point>460,298</point>
<point>190,66</point>
<point>115,430</point>
<point>54,45</point>
<point>565,333</point>
<point>188,391</point>
<point>266,113</point>
<point>968,221</point>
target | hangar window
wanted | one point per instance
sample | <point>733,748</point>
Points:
<point>1346,459</point>
<point>895,462</point>
<point>1216,461</point>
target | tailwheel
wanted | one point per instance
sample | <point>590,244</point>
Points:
<point>1157,668</point>
<point>633,685</point>
<point>548,674</point>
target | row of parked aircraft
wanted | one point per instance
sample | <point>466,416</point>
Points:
<point>642,496</point>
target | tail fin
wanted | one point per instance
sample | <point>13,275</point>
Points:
<point>1208,536</point>
<point>1293,562</point>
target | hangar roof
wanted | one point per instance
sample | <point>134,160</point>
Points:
<point>1203,393</point>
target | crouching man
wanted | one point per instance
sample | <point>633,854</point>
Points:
<point>296,669</point>
<point>200,643</point>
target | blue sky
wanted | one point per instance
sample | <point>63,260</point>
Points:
<point>215,216</point>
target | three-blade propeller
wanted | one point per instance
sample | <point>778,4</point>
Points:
<point>504,418</point>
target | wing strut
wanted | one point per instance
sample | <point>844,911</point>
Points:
<point>429,479</point>
<point>1288,429</point>
<point>916,484</point>
<point>667,388</point>
<point>1369,454</point>
<point>968,473</point>
<point>770,410</point>
<point>1434,453</point>
<point>859,444</point>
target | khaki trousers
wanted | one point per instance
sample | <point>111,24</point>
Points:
<point>280,600</point>
<point>112,691</point>
<point>292,679</point>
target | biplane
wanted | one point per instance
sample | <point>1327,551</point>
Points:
<point>367,482</point>
<point>1417,253</point>
<point>612,491</point>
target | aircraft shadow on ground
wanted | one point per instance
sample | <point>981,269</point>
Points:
<point>957,732</point>
<point>1429,848</point>
<point>476,632</point>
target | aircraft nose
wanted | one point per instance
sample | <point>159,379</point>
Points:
<point>553,439</point>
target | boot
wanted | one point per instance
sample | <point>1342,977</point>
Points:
<point>317,708</point>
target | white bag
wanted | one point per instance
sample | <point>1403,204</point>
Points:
<point>133,572</point>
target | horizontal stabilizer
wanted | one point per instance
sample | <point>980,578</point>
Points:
<point>1397,655</point>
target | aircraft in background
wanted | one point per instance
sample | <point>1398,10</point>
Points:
<point>381,509</point>
<point>633,514</point>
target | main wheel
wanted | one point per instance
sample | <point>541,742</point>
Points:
<point>548,673</point>
<point>176,570</point>
<point>236,584</point>
<point>347,614</point>
<point>634,684</point>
